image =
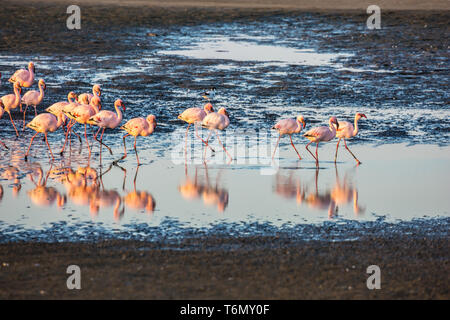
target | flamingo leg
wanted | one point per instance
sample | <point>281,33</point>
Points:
<point>46,141</point>
<point>185,139</point>
<point>69,127</point>
<point>310,151</point>
<point>292,143</point>
<point>3,144</point>
<point>96,134</point>
<point>207,140</point>
<point>87,141</point>
<point>12,121</point>
<point>29,147</point>
<point>357,161</point>
<point>24,113</point>
<point>124,146</point>
<point>218,138</point>
<point>135,150</point>
<point>317,156</point>
<point>278,141</point>
<point>35,112</point>
<point>101,140</point>
<point>337,148</point>
<point>196,133</point>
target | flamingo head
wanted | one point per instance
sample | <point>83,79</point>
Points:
<point>119,103</point>
<point>42,83</point>
<point>95,101</point>
<point>360,115</point>
<point>301,120</point>
<point>96,89</point>
<point>72,95</point>
<point>151,119</point>
<point>208,108</point>
<point>31,67</point>
<point>333,120</point>
<point>223,111</point>
<point>18,87</point>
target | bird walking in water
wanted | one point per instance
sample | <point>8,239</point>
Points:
<point>44,123</point>
<point>321,134</point>
<point>87,97</point>
<point>12,101</point>
<point>23,77</point>
<point>194,116</point>
<point>138,127</point>
<point>107,119</point>
<point>289,127</point>
<point>2,111</point>
<point>346,131</point>
<point>33,98</point>
<point>217,121</point>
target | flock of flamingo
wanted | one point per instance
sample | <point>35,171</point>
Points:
<point>86,109</point>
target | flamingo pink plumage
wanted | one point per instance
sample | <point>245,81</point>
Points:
<point>12,101</point>
<point>321,134</point>
<point>346,131</point>
<point>33,98</point>
<point>44,123</point>
<point>24,77</point>
<point>289,127</point>
<point>138,127</point>
<point>87,97</point>
<point>107,119</point>
<point>2,111</point>
<point>194,116</point>
<point>217,121</point>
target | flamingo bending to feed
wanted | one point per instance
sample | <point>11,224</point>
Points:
<point>107,119</point>
<point>195,115</point>
<point>44,123</point>
<point>2,111</point>
<point>138,127</point>
<point>346,131</point>
<point>81,114</point>
<point>321,134</point>
<point>24,77</point>
<point>12,101</point>
<point>289,126</point>
<point>217,121</point>
<point>87,97</point>
<point>33,98</point>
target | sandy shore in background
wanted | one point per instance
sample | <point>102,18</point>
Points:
<point>271,4</point>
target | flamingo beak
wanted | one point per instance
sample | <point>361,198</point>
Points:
<point>34,69</point>
<point>363,116</point>
<point>337,125</point>
<point>123,106</point>
<point>45,86</point>
<point>304,123</point>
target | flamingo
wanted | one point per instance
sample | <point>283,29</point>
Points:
<point>44,123</point>
<point>289,126</point>
<point>321,134</point>
<point>217,121</point>
<point>346,131</point>
<point>87,97</point>
<point>107,119</point>
<point>194,115</point>
<point>33,98</point>
<point>81,114</point>
<point>12,101</point>
<point>138,127</point>
<point>2,111</point>
<point>57,108</point>
<point>24,77</point>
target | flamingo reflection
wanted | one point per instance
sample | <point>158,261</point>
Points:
<point>42,195</point>
<point>139,200</point>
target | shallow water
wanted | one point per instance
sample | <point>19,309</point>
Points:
<point>263,71</point>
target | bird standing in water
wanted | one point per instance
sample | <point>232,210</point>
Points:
<point>321,134</point>
<point>289,127</point>
<point>346,131</point>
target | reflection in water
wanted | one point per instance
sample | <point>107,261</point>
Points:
<point>139,200</point>
<point>342,193</point>
<point>200,187</point>
<point>42,195</point>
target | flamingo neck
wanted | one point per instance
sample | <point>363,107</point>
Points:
<point>60,120</point>
<point>356,129</point>
<point>299,126</point>
<point>30,70</point>
<point>332,127</point>
<point>17,95</point>
<point>69,98</point>
<point>41,92</point>
<point>119,113</point>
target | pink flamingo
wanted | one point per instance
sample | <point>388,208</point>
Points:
<point>195,115</point>
<point>44,123</point>
<point>12,101</point>
<point>33,98</point>
<point>346,131</point>
<point>138,127</point>
<point>87,97</point>
<point>289,126</point>
<point>321,134</point>
<point>81,114</point>
<point>217,121</point>
<point>24,77</point>
<point>107,119</point>
<point>2,111</point>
